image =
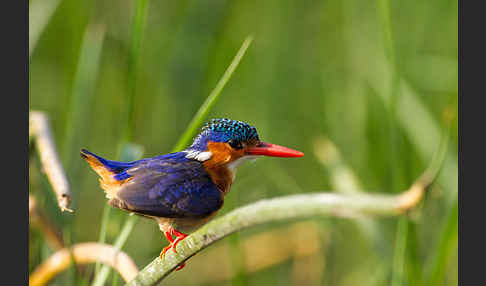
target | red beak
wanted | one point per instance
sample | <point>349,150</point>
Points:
<point>268,149</point>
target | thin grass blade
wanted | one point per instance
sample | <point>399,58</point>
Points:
<point>436,269</point>
<point>40,12</point>
<point>400,251</point>
<point>128,152</point>
<point>203,111</point>
<point>82,94</point>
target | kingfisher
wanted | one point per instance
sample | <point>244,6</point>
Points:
<point>183,190</point>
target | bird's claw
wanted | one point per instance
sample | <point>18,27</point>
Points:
<point>178,239</point>
<point>172,246</point>
<point>173,243</point>
<point>162,253</point>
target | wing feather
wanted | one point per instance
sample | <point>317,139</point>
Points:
<point>170,188</point>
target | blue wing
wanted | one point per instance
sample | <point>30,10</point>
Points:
<point>169,186</point>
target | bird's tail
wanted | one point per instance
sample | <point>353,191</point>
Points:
<point>106,169</point>
<point>112,173</point>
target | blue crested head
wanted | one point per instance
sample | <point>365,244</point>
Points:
<point>224,130</point>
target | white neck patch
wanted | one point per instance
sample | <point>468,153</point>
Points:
<point>234,165</point>
<point>201,156</point>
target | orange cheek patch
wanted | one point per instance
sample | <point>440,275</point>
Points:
<point>221,154</point>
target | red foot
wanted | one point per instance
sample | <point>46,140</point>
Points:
<point>173,243</point>
<point>179,237</point>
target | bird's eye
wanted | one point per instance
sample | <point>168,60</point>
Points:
<point>235,144</point>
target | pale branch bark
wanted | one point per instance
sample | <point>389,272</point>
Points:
<point>297,242</point>
<point>39,131</point>
<point>84,253</point>
<point>284,208</point>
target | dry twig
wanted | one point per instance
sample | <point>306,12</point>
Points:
<point>39,130</point>
<point>84,253</point>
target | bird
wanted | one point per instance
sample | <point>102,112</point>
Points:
<point>183,190</point>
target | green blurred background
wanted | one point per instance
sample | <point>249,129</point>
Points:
<point>366,89</point>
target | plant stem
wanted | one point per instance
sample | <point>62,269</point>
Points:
<point>138,24</point>
<point>120,241</point>
<point>213,96</point>
<point>104,226</point>
<point>128,152</point>
<point>436,270</point>
<point>400,247</point>
<point>133,153</point>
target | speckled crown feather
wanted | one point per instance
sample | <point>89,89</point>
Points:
<point>223,130</point>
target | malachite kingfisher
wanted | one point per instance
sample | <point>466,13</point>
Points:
<point>184,190</point>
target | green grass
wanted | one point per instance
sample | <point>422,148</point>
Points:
<point>444,253</point>
<point>126,151</point>
<point>211,100</point>
<point>378,80</point>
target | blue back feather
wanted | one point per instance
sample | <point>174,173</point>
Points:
<point>179,156</point>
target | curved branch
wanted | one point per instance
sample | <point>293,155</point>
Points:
<point>84,253</point>
<point>289,207</point>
